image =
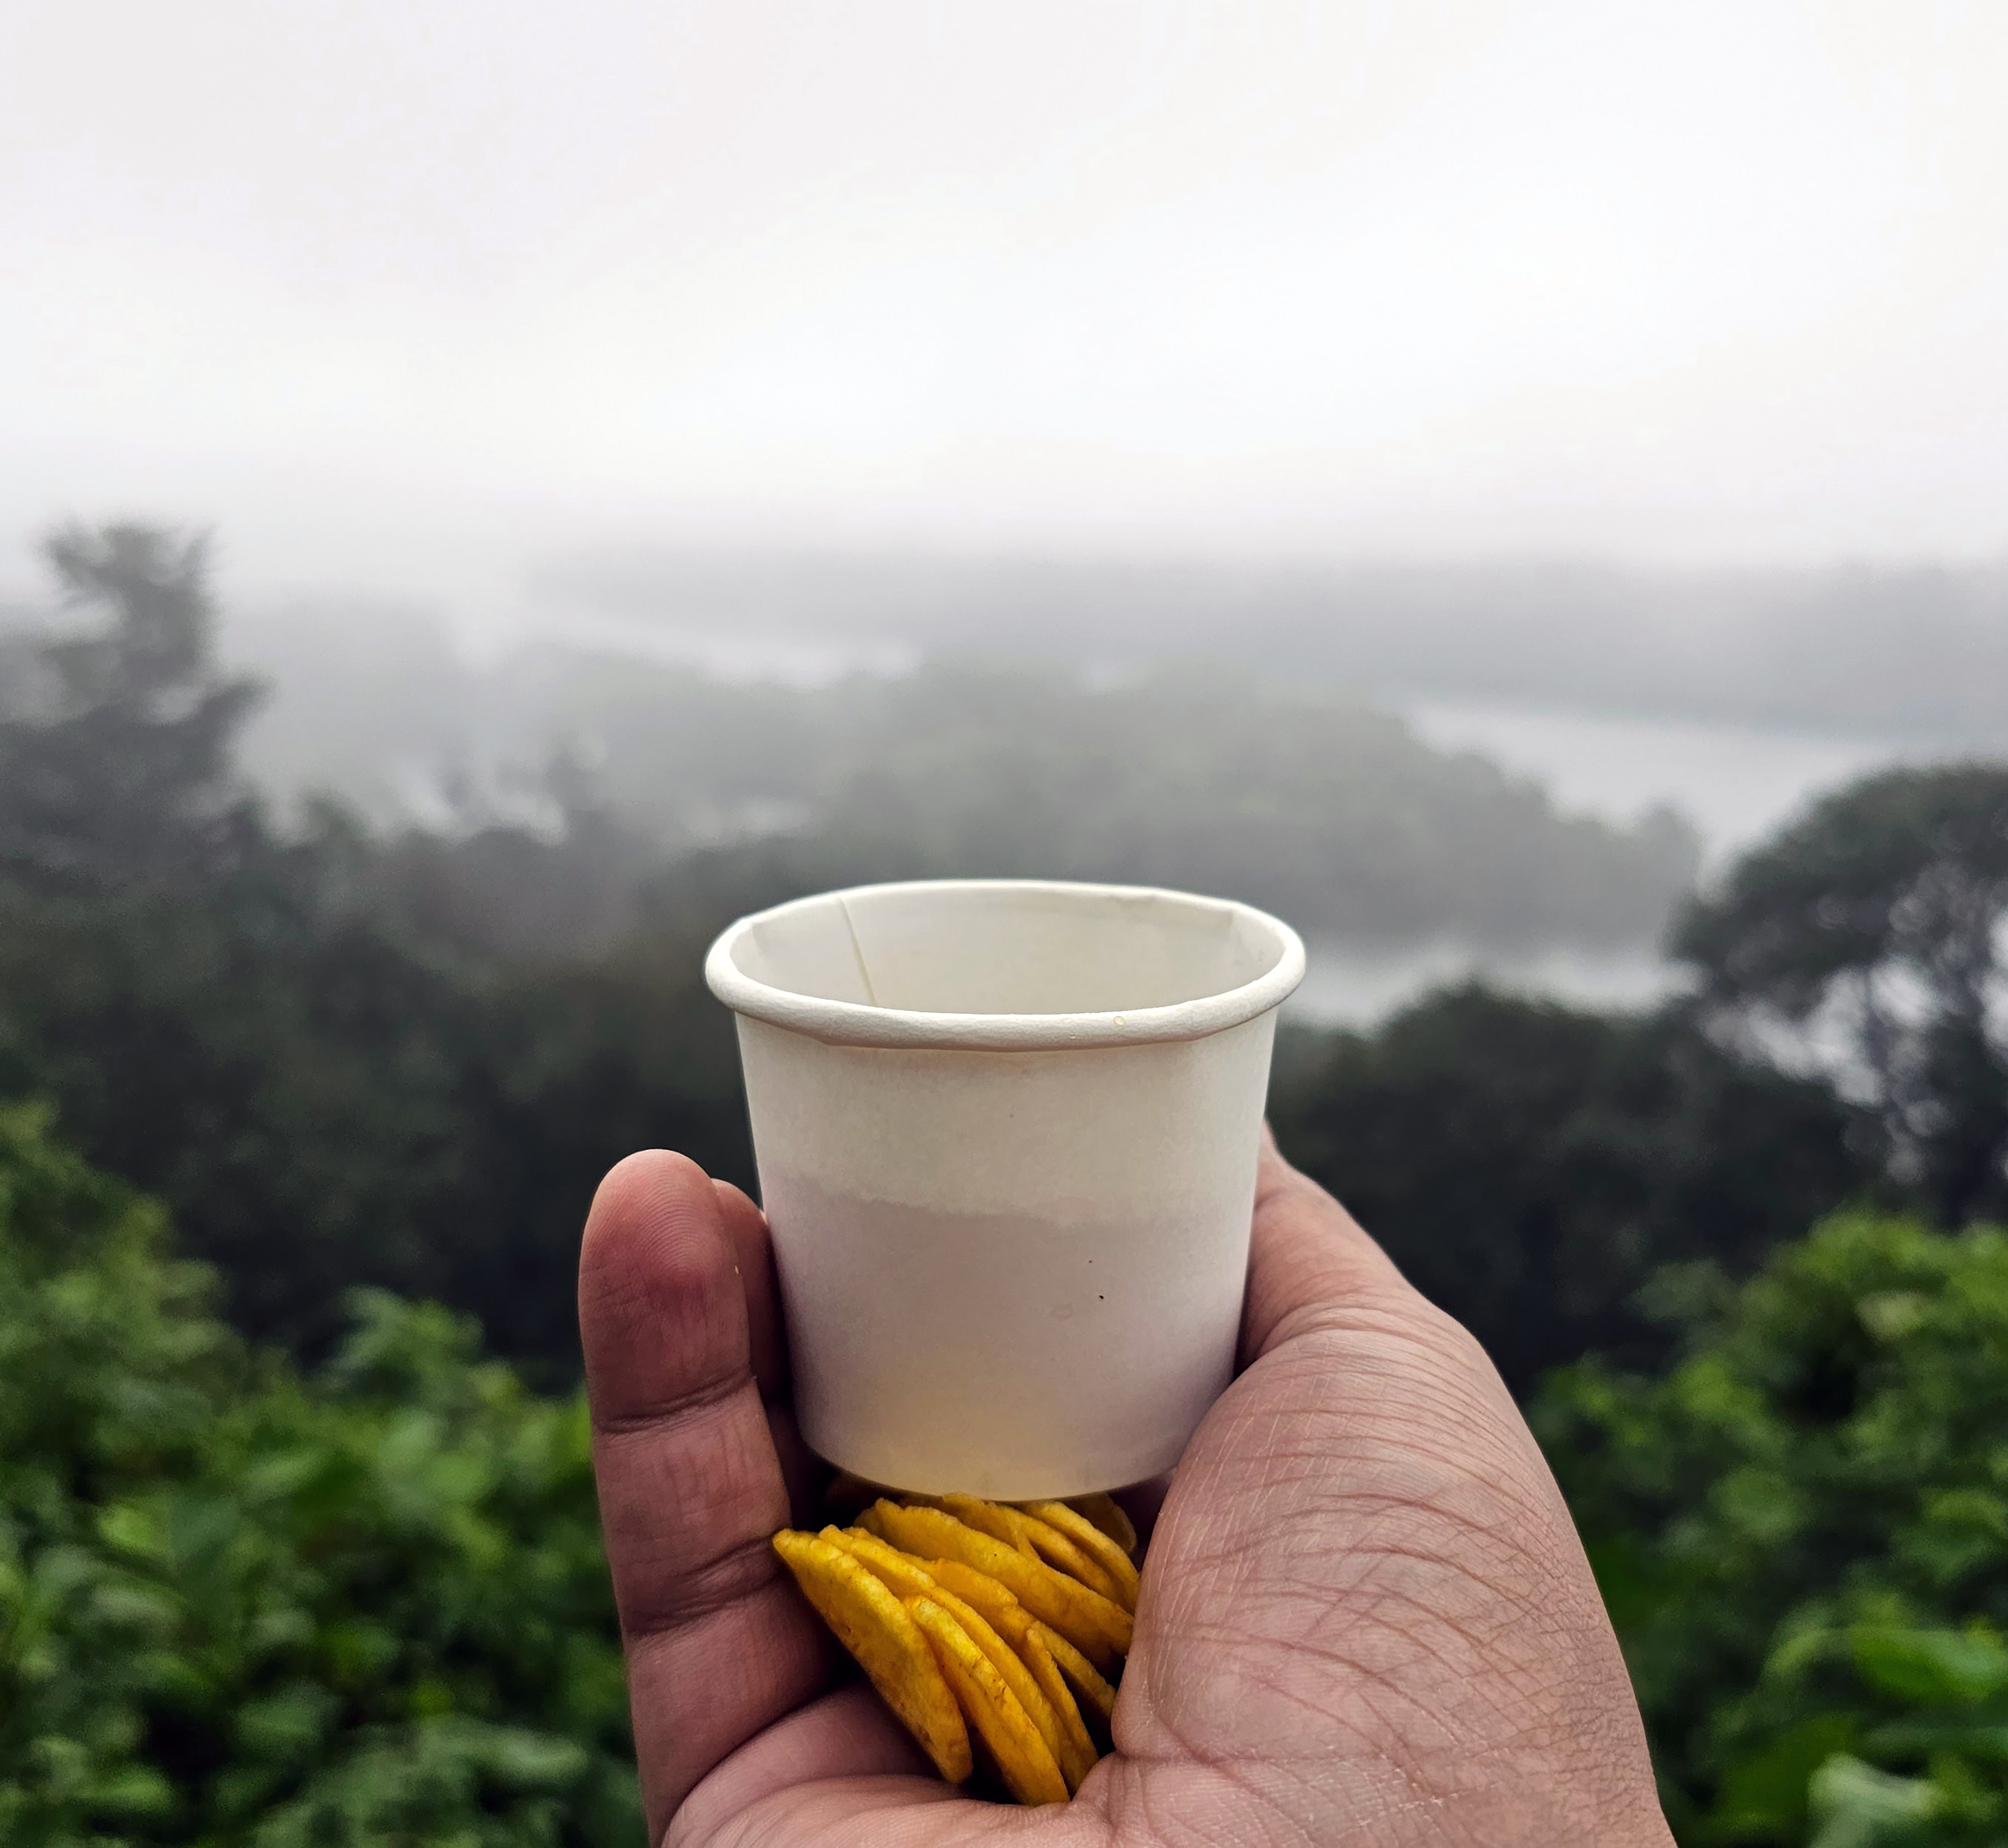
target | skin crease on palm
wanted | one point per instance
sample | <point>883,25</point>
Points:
<point>1366,1616</point>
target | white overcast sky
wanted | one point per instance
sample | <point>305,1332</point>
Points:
<point>377,285</point>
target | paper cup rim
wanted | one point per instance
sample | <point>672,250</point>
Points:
<point>854,1023</point>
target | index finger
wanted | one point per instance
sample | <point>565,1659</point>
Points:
<point>690,1487</point>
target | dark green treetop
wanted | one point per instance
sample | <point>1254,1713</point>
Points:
<point>121,767</point>
<point>1875,929</point>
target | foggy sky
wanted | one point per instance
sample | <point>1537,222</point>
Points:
<point>403,294</point>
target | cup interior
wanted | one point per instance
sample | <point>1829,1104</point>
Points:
<point>1009,947</point>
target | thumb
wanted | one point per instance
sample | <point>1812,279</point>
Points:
<point>1307,1257</point>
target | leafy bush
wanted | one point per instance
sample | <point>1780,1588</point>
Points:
<point>241,1606</point>
<point>1802,1532</point>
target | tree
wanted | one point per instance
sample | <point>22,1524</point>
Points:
<point>121,769</point>
<point>1801,1532</point>
<point>1529,1167</point>
<point>1871,935</point>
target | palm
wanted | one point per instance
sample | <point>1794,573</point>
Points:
<point>1366,1616</point>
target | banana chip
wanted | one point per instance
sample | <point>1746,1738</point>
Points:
<point>1037,1642</point>
<point>900,1573</point>
<point>1003,1629</point>
<point>991,1517</point>
<point>1088,1686</point>
<point>1115,1564</point>
<point>1077,1751</point>
<point>1104,1512</point>
<point>1029,1769</point>
<point>980,1589</point>
<point>1100,1628</point>
<point>902,1662</point>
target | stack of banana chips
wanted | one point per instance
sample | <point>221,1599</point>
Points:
<point>995,1632</point>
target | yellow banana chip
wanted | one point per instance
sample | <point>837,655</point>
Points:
<point>1114,1562</point>
<point>1013,1619</point>
<point>980,1589</point>
<point>1076,1750</point>
<point>1089,1688</point>
<point>1030,1771</point>
<point>1035,1538</point>
<point>1099,1628</point>
<point>900,1573</point>
<point>1104,1512</point>
<point>902,1662</point>
<point>991,1517</point>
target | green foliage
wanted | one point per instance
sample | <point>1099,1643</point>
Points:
<point>239,1606</point>
<point>1802,1532</point>
<point>1878,920</point>
<point>1530,1167</point>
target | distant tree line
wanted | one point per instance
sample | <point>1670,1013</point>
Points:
<point>1914,651</point>
<point>1330,813</point>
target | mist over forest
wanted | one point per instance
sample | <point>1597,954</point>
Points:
<point>1324,807</point>
<point>1892,652</point>
<point>825,717</point>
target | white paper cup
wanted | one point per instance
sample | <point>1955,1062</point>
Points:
<point>1007,1133</point>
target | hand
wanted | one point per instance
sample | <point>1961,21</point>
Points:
<point>1366,1616</point>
